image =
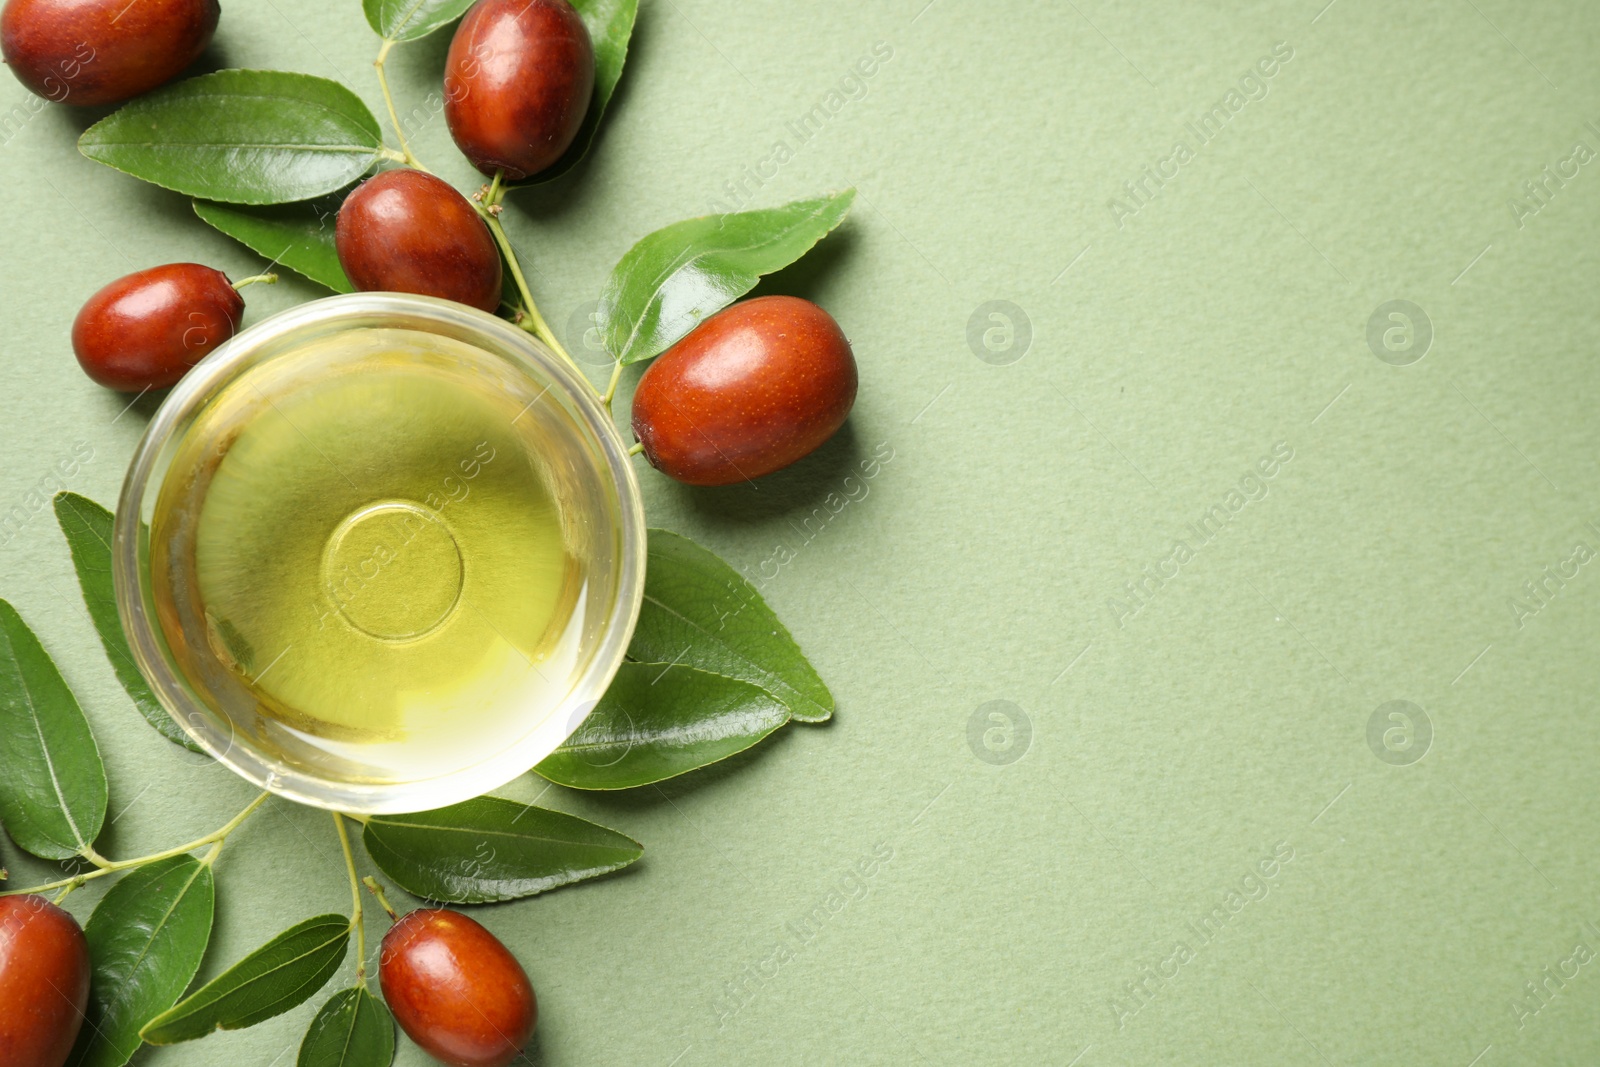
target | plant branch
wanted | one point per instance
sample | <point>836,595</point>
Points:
<point>356,922</point>
<point>406,155</point>
<point>267,279</point>
<point>530,319</point>
<point>611,386</point>
<point>535,324</point>
<point>377,891</point>
<point>104,866</point>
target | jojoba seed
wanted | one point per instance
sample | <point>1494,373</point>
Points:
<point>456,990</point>
<point>103,51</point>
<point>749,391</point>
<point>44,982</point>
<point>146,330</point>
<point>405,231</point>
<point>517,84</point>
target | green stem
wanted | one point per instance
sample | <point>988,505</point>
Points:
<point>533,321</point>
<point>611,386</point>
<point>406,155</point>
<point>104,866</point>
<point>356,922</point>
<point>265,279</point>
<point>377,891</point>
<point>535,324</point>
<point>636,449</point>
<point>63,894</point>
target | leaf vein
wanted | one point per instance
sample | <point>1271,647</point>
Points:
<point>44,747</point>
<point>684,258</point>
<point>262,976</point>
<point>230,145</point>
<point>504,833</point>
<point>155,931</point>
<point>764,672</point>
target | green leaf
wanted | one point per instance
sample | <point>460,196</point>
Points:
<point>658,721</point>
<point>701,612</point>
<point>284,973</point>
<point>146,940</point>
<point>242,137</point>
<point>492,849</point>
<point>407,20</point>
<point>681,275</point>
<point>610,24</point>
<point>297,236</point>
<point>353,1029</point>
<point>52,783</point>
<point>87,528</point>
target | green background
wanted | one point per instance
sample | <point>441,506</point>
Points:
<point>1168,752</point>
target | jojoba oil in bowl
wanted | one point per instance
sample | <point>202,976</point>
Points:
<point>380,553</point>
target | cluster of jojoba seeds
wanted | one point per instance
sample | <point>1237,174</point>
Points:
<point>751,390</point>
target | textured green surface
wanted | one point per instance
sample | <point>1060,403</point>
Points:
<point>871,891</point>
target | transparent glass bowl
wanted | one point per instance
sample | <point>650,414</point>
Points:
<point>599,489</point>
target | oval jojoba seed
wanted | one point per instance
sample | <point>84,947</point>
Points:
<point>404,231</point>
<point>44,982</point>
<point>517,84</point>
<point>145,330</point>
<point>103,51</point>
<point>456,990</point>
<point>749,391</point>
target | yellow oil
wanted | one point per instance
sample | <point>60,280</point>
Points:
<point>367,561</point>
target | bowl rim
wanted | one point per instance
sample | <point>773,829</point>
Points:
<point>202,724</point>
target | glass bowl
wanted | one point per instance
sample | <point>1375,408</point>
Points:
<point>418,675</point>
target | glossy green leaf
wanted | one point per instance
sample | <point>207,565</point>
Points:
<point>242,137</point>
<point>683,274</point>
<point>87,528</point>
<point>353,1029</point>
<point>146,940</point>
<point>660,720</point>
<point>297,236</point>
<point>284,973</point>
<point>701,612</point>
<point>52,783</point>
<point>492,849</point>
<point>610,25</point>
<point>407,20</point>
